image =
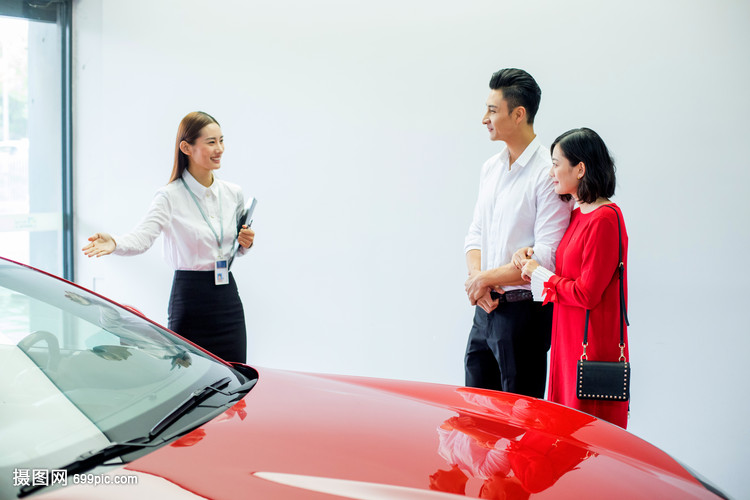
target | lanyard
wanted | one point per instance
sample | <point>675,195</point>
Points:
<point>197,204</point>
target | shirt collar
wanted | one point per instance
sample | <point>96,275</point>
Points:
<point>527,154</point>
<point>198,189</point>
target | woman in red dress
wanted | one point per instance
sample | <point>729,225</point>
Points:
<point>585,276</point>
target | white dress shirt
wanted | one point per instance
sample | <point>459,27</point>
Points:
<point>189,243</point>
<point>517,207</point>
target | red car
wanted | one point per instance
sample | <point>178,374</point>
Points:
<point>97,401</point>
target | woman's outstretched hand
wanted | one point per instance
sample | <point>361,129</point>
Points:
<point>101,244</point>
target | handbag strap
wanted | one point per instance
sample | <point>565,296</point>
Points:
<point>623,308</point>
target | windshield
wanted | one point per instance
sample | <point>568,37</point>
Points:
<point>78,372</point>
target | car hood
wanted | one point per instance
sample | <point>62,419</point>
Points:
<point>299,435</point>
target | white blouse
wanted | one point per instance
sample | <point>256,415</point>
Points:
<point>189,243</point>
<point>539,277</point>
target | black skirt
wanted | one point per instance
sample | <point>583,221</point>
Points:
<point>208,315</point>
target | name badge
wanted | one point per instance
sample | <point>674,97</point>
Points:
<point>221,272</point>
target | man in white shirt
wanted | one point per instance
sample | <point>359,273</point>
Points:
<point>516,207</point>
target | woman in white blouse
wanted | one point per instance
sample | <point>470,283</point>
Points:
<point>198,214</point>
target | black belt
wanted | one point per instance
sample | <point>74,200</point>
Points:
<point>512,295</point>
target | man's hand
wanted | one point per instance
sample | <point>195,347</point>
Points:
<point>521,256</point>
<point>476,287</point>
<point>487,303</point>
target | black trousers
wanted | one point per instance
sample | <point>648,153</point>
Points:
<point>507,349</point>
<point>208,315</point>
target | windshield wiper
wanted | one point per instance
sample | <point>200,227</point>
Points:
<point>191,402</point>
<point>91,459</point>
<point>242,388</point>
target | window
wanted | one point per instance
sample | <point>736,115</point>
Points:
<point>35,131</point>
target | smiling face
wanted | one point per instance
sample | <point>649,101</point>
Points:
<point>205,154</point>
<point>499,120</point>
<point>565,176</point>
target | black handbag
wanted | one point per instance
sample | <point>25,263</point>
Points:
<point>606,380</point>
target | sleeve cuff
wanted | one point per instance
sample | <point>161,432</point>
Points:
<point>119,249</point>
<point>242,250</point>
<point>471,246</point>
<point>539,277</point>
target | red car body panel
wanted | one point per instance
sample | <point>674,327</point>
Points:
<point>299,435</point>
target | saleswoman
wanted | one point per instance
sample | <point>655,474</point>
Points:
<point>198,215</point>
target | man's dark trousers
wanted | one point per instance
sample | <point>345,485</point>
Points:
<point>507,349</point>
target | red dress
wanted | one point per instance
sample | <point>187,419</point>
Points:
<point>586,278</point>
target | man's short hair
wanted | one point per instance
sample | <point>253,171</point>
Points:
<point>519,89</point>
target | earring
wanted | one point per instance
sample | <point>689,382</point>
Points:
<point>580,177</point>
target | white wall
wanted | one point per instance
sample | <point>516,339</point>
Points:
<point>357,126</point>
